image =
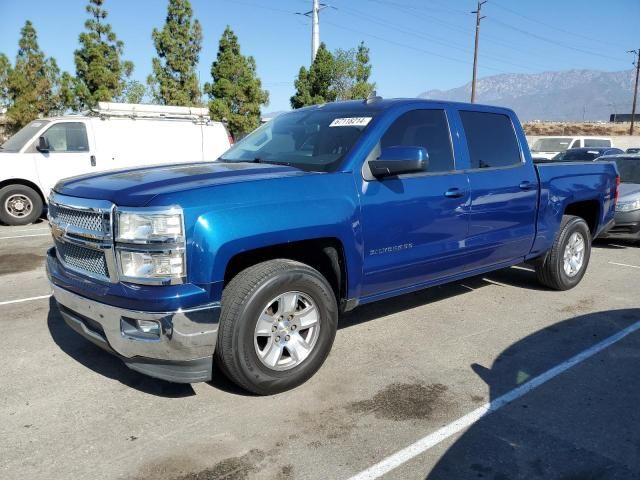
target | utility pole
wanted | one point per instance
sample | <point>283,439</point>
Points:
<point>475,50</point>
<point>315,29</point>
<point>635,88</point>
<point>314,14</point>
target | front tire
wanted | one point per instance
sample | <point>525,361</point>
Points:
<point>564,265</point>
<point>277,326</point>
<point>19,205</point>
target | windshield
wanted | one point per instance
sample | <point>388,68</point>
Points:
<point>26,133</point>
<point>553,144</point>
<point>313,140</point>
<point>629,169</point>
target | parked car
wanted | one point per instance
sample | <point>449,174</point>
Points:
<point>549,147</point>
<point>633,150</point>
<point>114,136</point>
<point>627,218</point>
<point>247,261</point>
<point>584,154</point>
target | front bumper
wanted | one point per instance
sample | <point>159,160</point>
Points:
<point>182,352</point>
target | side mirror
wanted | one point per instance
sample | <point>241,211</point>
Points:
<point>398,160</point>
<point>43,145</point>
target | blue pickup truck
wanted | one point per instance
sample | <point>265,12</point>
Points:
<point>248,261</point>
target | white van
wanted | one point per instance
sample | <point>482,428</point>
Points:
<point>114,136</point>
<point>549,147</point>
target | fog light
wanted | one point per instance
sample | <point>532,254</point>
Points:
<point>149,326</point>
<point>140,329</point>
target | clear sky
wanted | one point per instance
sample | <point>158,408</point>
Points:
<point>416,45</point>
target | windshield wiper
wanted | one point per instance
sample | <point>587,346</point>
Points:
<point>270,162</point>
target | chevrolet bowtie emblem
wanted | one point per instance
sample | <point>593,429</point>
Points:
<point>57,231</point>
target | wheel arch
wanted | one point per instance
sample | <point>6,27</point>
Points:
<point>326,254</point>
<point>26,183</point>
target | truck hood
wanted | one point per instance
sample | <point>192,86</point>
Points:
<point>136,187</point>
<point>629,192</point>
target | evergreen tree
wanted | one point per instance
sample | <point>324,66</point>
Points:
<point>362,88</point>
<point>5,70</point>
<point>174,80</point>
<point>340,76</point>
<point>236,92</point>
<point>100,72</point>
<point>32,83</point>
<point>302,97</point>
<point>133,92</point>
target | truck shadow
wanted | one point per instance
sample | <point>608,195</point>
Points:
<point>580,425</point>
<point>103,363</point>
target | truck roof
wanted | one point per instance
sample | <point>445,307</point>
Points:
<point>379,104</point>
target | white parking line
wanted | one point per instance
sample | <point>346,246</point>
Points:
<point>24,236</point>
<point>20,230</point>
<point>21,300</point>
<point>433,439</point>
<point>623,265</point>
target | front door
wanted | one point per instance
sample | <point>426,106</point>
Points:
<point>414,225</point>
<point>69,154</point>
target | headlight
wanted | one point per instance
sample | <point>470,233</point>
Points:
<point>150,245</point>
<point>628,206</point>
<point>149,227</point>
<point>151,265</point>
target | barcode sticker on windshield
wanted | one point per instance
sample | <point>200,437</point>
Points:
<point>351,122</point>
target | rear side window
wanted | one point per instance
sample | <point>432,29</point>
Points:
<point>595,142</point>
<point>67,137</point>
<point>491,139</point>
<point>423,128</point>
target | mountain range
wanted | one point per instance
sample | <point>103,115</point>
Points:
<point>571,95</point>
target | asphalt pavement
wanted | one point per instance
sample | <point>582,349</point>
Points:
<point>406,372</point>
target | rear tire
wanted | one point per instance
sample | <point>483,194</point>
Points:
<point>564,265</point>
<point>277,326</point>
<point>19,205</point>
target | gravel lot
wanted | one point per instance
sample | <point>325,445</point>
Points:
<point>399,370</point>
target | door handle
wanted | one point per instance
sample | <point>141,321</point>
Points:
<point>526,185</point>
<point>93,160</point>
<point>454,193</point>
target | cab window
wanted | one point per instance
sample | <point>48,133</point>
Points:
<point>491,139</point>
<point>67,137</point>
<point>423,128</point>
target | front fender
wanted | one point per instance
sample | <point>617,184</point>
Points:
<point>276,212</point>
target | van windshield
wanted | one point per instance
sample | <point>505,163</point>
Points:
<point>555,144</point>
<point>26,133</point>
<point>313,140</point>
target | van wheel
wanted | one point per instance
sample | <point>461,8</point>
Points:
<point>19,205</point>
<point>277,326</point>
<point>566,262</point>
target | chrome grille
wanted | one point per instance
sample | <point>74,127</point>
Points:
<point>83,259</point>
<point>82,234</point>
<point>78,218</point>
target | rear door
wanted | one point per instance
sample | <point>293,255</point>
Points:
<point>414,225</point>
<point>69,153</point>
<point>504,189</point>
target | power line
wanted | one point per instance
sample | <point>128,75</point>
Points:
<point>553,41</point>
<point>434,39</point>
<point>409,10</point>
<point>599,40</point>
